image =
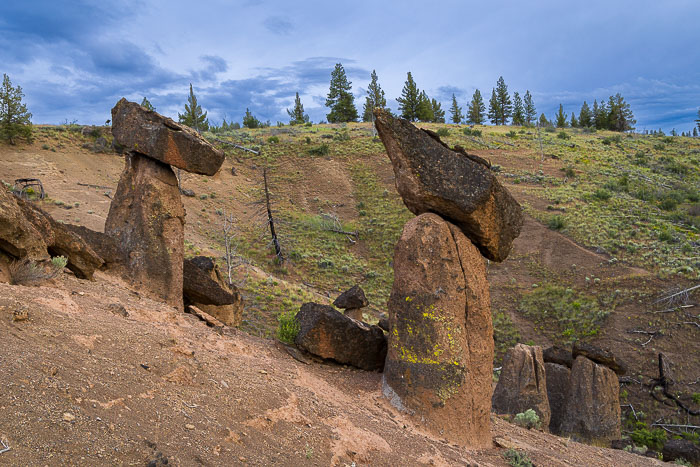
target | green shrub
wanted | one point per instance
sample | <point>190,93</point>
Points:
<point>471,132</point>
<point>563,135</point>
<point>321,150</point>
<point>602,194</point>
<point>556,222</point>
<point>512,134</point>
<point>287,327</point>
<point>528,419</point>
<point>27,272</point>
<point>273,139</point>
<point>443,132</point>
<point>659,147</point>
<point>549,129</point>
<point>517,458</point>
<point>653,439</point>
<point>343,135</point>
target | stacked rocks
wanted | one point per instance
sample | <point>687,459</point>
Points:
<point>440,348</point>
<point>146,218</point>
<point>352,301</point>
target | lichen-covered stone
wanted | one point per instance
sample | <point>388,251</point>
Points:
<point>522,384</point>
<point>160,138</point>
<point>439,361</point>
<point>430,177</point>
<point>147,219</point>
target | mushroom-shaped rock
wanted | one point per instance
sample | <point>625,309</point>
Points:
<point>430,177</point>
<point>523,384</point>
<point>352,298</point>
<point>326,332</point>
<point>149,133</point>
<point>598,355</point>
<point>205,287</point>
<point>439,365</point>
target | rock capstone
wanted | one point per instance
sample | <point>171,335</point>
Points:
<point>149,133</point>
<point>558,355</point>
<point>326,332</point>
<point>440,356</point>
<point>523,384</point>
<point>205,287</point>
<point>592,413</point>
<point>146,219</point>
<point>598,355</point>
<point>430,177</point>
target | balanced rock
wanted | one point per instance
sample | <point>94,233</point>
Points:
<point>149,133</point>
<point>326,332</point>
<point>205,288</point>
<point>558,355</point>
<point>440,357</point>
<point>352,301</point>
<point>18,237</point>
<point>557,393</point>
<point>523,384</point>
<point>460,187</point>
<point>61,241</point>
<point>592,411</point>
<point>598,355</point>
<point>146,219</point>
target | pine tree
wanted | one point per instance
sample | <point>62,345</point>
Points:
<point>476,109</point>
<point>695,132</point>
<point>494,108</point>
<point>504,103</point>
<point>697,122</point>
<point>574,120</point>
<point>297,115</point>
<point>585,119</point>
<point>455,111</point>
<point>518,111</point>
<point>620,116</point>
<point>543,122</point>
<point>340,100</point>
<point>425,108</point>
<point>250,121</point>
<point>438,113</point>
<point>561,117</point>
<point>14,116</point>
<point>409,100</point>
<point>600,115</point>
<point>193,116</point>
<point>375,99</point>
<point>147,105</point>
<point>530,111</point>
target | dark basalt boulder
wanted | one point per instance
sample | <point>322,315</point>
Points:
<point>598,355</point>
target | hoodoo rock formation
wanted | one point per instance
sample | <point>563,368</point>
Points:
<point>440,350</point>
<point>523,384</point>
<point>352,301</point>
<point>146,217</point>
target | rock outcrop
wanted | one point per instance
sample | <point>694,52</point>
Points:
<point>160,138</point>
<point>523,384</point>
<point>592,411</point>
<point>459,187</point>
<point>681,449</point>
<point>205,288</point>
<point>102,244</point>
<point>146,219</point>
<point>352,301</point>
<point>439,360</point>
<point>600,356</point>
<point>326,332</point>
<point>18,237</point>
<point>557,393</point>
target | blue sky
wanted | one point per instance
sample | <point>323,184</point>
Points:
<point>75,60</point>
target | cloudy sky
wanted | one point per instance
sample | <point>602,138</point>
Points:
<point>75,59</point>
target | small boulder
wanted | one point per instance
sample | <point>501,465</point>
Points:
<point>149,133</point>
<point>18,237</point>
<point>598,355</point>
<point>205,287</point>
<point>326,332</point>
<point>558,355</point>
<point>352,298</point>
<point>681,449</point>
<point>522,384</point>
<point>557,393</point>
<point>592,413</point>
<point>430,177</point>
<point>102,244</point>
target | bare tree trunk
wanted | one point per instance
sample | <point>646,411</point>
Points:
<point>271,221</point>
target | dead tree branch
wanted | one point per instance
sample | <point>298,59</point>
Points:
<point>676,308</point>
<point>5,446</point>
<point>664,381</point>
<point>237,146</point>
<point>681,296</point>
<point>271,221</point>
<point>651,334</point>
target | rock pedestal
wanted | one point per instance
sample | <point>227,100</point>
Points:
<point>440,349</point>
<point>146,219</point>
<point>592,411</point>
<point>352,301</point>
<point>523,384</point>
